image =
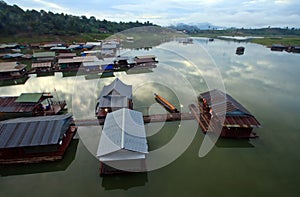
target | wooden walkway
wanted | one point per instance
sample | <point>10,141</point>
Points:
<point>203,121</point>
<point>147,119</point>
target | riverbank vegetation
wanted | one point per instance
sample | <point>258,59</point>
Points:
<point>32,25</point>
<point>268,36</point>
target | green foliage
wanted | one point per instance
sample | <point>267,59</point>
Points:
<point>14,20</point>
<point>287,41</point>
<point>249,32</point>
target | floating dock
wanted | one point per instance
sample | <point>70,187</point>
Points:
<point>147,119</point>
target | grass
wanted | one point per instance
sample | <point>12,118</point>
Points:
<point>286,41</point>
<point>267,40</point>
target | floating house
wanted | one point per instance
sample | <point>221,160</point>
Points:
<point>29,104</point>
<point>115,96</point>
<point>50,45</point>
<point>278,47</point>
<point>147,60</point>
<point>43,68</point>
<point>13,56</point>
<point>238,121</point>
<point>66,55</point>
<point>293,49</point>
<point>240,50</point>
<point>34,140</point>
<point>74,63</point>
<point>12,70</point>
<point>123,144</point>
<point>43,57</point>
<point>124,62</point>
<point>7,47</point>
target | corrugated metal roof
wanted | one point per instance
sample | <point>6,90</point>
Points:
<point>78,59</point>
<point>123,129</point>
<point>11,66</point>
<point>8,104</point>
<point>218,100</point>
<point>29,97</point>
<point>37,131</point>
<point>43,54</point>
<point>117,87</point>
<point>236,115</point>
<point>64,55</point>
<point>113,101</point>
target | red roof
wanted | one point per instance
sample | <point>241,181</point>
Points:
<point>236,115</point>
<point>241,121</point>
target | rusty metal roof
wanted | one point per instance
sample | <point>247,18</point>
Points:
<point>8,104</point>
<point>37,131</point>
<point>26,102</point>
<point>236,115</point>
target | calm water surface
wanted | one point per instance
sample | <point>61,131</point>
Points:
<point>265,82</point>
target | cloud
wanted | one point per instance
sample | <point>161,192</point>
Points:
<point>238,13</point>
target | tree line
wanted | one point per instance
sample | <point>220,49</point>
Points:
<point>14,20</point>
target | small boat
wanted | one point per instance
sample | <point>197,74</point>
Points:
<point>166,104</point>
<point>240,50</point>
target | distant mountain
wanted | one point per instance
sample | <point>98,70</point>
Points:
<point>206,26</point>
<point>194,27</point>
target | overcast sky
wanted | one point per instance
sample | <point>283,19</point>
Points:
<point>228,13</point>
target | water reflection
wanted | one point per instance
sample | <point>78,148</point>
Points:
<point>266,83</point>
<point>124,181</point>
<point>234,143</point>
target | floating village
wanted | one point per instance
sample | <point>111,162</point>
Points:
<point>37,128</point>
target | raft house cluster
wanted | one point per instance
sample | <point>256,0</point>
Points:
<point>123,144</point>
<point>85,58</point>
<point>33,129</point>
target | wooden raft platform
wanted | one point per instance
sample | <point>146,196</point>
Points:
<point>147,119</point>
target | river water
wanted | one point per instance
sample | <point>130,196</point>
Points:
<point>265,82</point>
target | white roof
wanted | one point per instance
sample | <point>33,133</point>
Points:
<point>123,136</point>
<point>92,51</point>
<point>94,43</point>
<point>41,65</point>
<point>109,46</point>
<point>113,101</point>
<point>117,87</point>
<point>88,64</point>
<point>78,59</point>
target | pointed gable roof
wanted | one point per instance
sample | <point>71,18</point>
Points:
<point>123,131</point>
<point>117,87</point>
